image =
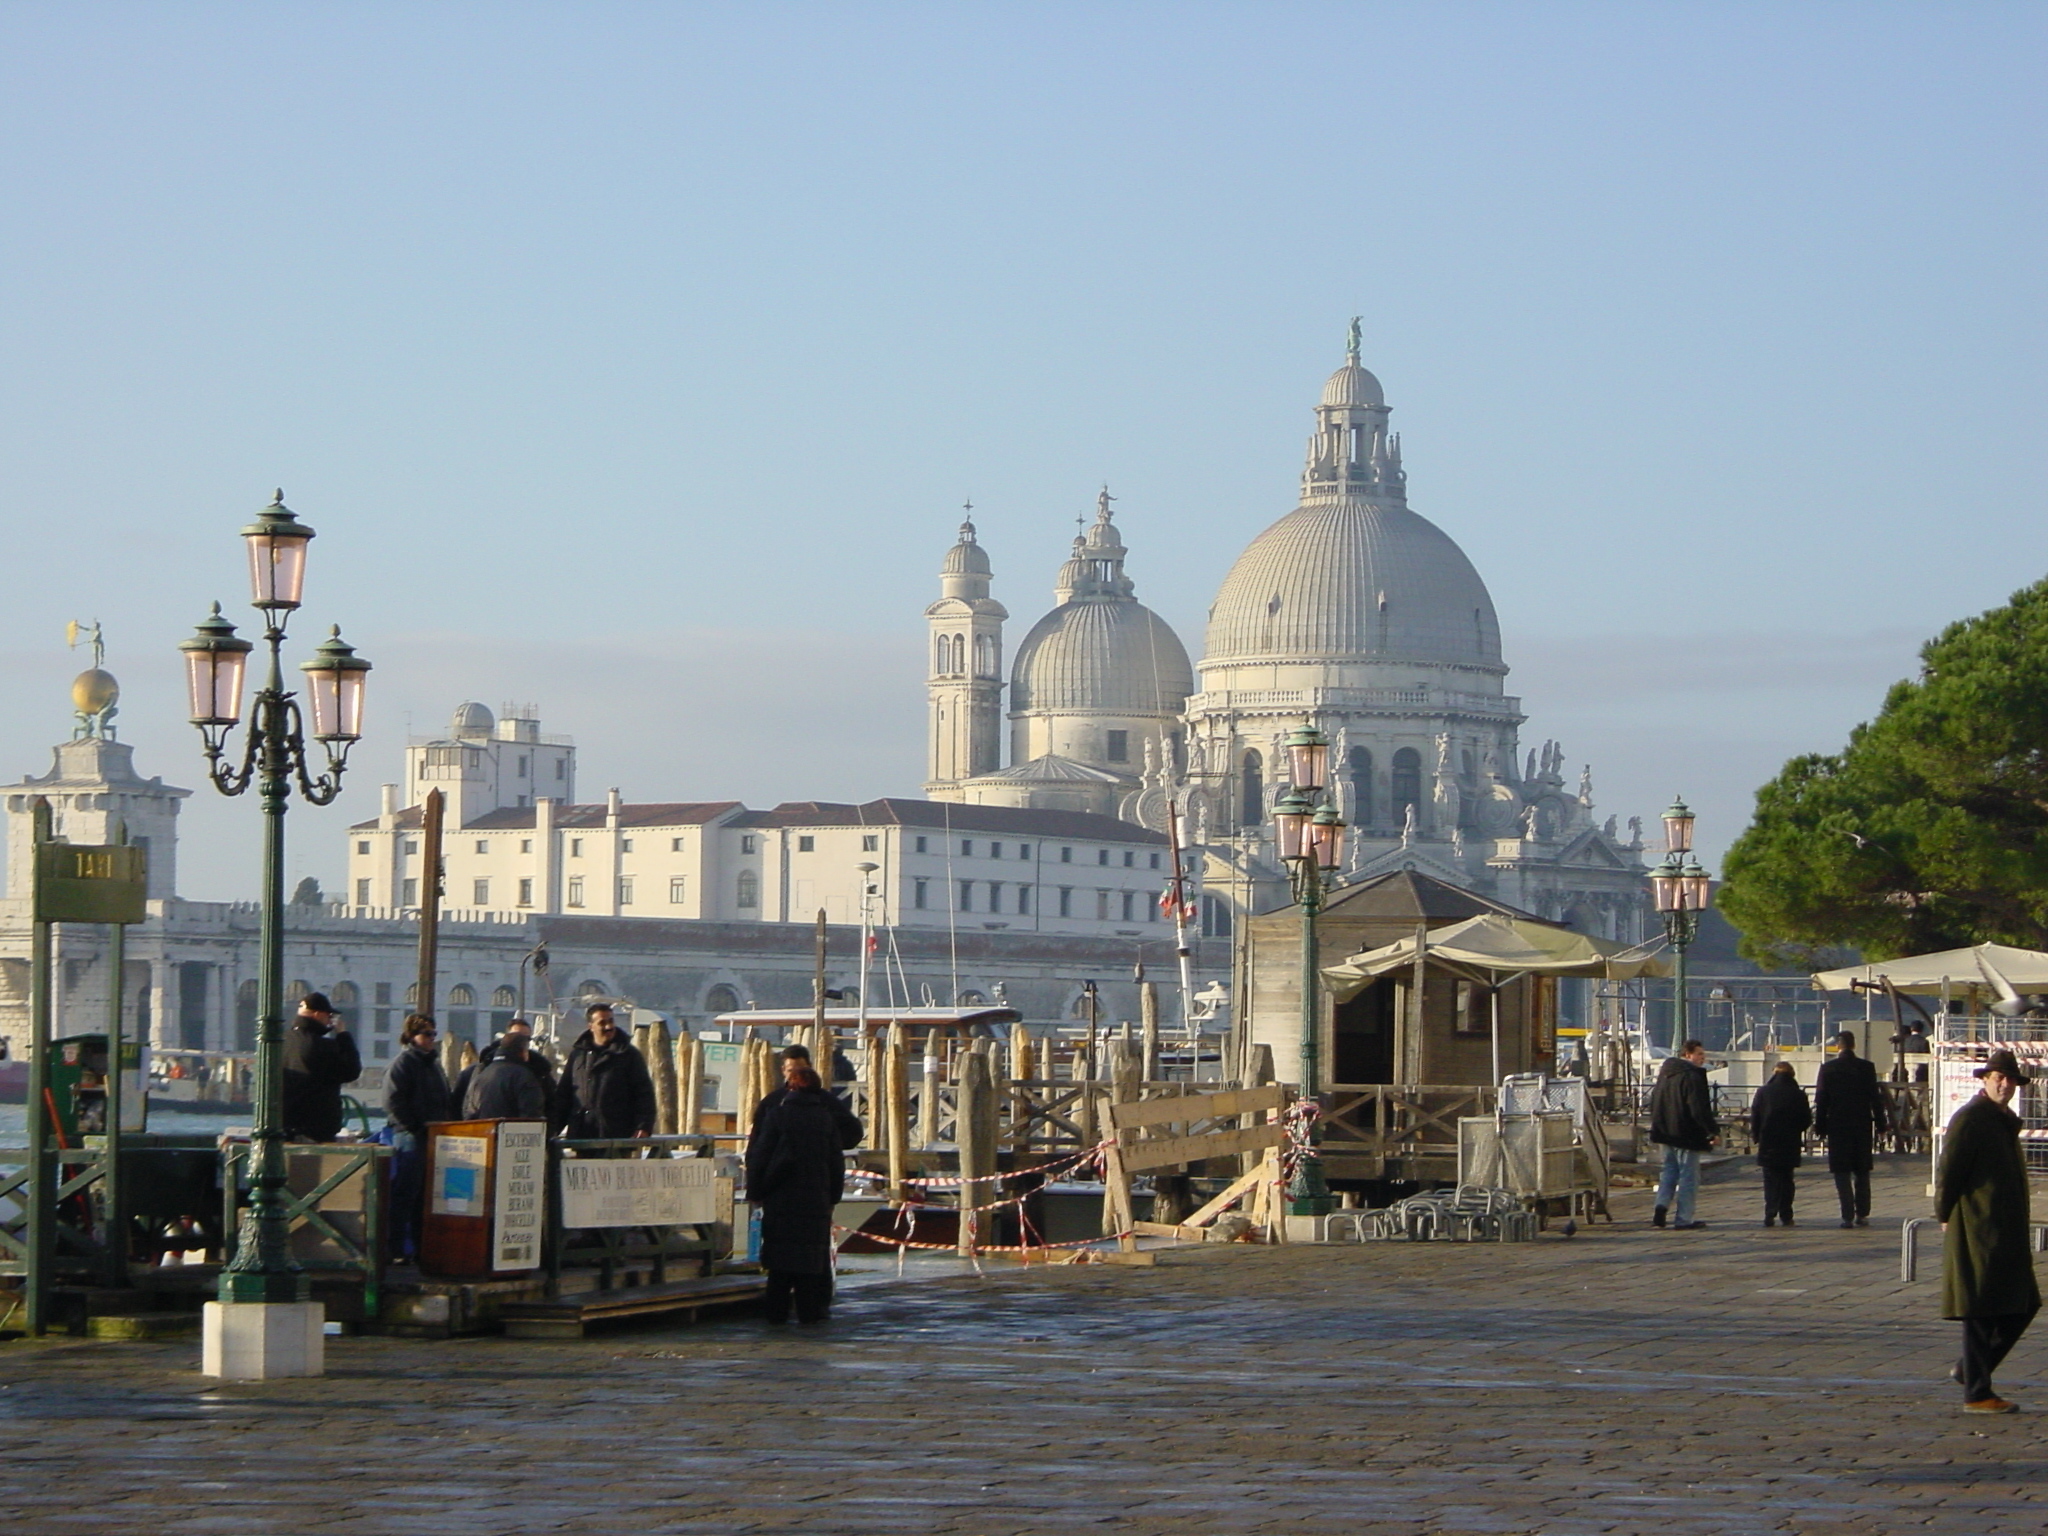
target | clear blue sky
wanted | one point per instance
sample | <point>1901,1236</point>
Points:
<point>636,359</point>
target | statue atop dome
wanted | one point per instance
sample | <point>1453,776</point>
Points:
<point>94,692</point>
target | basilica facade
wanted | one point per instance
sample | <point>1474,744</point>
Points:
<point>1354,614</point>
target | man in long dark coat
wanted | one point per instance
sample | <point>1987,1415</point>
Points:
<point>796,1172</point>
<point>1778,1118</point>
<point>1849,1114</point>
<point>1987,1262</point>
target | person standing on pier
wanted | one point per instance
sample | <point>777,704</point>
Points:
<point>795,1058</point>
<point>1848,1112</point>
<point>1987,1261</point>
<point>605,1091</point>
<point>541,1069</point>
<point>1778,1118</point>
<point>415,1096</point>
<point>320,1060</point>
<point>1682,1123</point>
<point>796,1173</point>
<point>504,1088</point>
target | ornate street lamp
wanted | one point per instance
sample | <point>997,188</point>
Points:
<point>1311,843</point>
<point>273,756</point>
<point>1681,889</point>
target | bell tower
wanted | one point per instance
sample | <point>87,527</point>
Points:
<point>965,680</point>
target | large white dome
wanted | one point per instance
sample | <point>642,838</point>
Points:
<point>1350,579</point>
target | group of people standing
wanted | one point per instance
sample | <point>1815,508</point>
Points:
<point>1981,1199</point>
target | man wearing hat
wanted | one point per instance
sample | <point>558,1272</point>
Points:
<point>1987,1277</point>
<point>320,1060</point>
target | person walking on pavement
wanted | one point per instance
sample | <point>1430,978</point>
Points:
<point>320,1060</point>
<point>1778,1118</point>
<point>1987,1260</point>
<point>1682,1123</point>
<point>415,1096</point>
<point>542,1069</point>
<point>796,1173</point>
<point>504,1088</point>
<point>1849,1114</point>
<point>605,1091</point>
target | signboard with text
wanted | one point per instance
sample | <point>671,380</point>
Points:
<point>518,1178</point>
<point>636,1192</point>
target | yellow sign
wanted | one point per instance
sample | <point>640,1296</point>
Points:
<point>81,883</point>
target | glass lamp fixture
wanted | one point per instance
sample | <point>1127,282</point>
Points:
<point>1326,839</point>
<point>1308,758</point>
<point>1696,886</point>
<point>1667,885</point>
<point>336,678</point>
<point>1678,828</point>
<point>215,660</point>
<point>1291,819</point>
<point>277,557</point>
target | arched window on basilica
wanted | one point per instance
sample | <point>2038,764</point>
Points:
<point>1407,784</point>
<point>1253,811</point>
<point>1358,771</point>
<point>985,664</point>
<point>722,999</point>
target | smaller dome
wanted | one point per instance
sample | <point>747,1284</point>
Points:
<point>472,720</point>
<point>93,691</point>
<point>1352,385</point>
<point>966,558</point>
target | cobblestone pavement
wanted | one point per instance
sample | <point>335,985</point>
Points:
<point>1625,1380</point>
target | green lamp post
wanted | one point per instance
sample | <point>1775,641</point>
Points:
<point>274,756</point>
<point>1311,844</point>
<point>1681,889</point>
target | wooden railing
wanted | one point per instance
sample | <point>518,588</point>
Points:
<point>1400,1119</point>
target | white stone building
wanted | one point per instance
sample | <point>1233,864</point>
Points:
<point>1353,614</point>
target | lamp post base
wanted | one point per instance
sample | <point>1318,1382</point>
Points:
<point>263,1341</point>
<point>245,1287</point>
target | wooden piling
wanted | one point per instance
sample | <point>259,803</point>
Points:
<point>974,1135</point>
<point>1148,1029</point>
<point>689,1069</point>
<point>661,1066</point>
<point>928,1094</point>
<point>896,1094</point>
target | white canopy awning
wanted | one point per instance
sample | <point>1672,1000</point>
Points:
<point>1493,949</point>
<point>2000,967</point>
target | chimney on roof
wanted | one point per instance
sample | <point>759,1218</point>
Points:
<point>613,804</point>
<point>388,804</point>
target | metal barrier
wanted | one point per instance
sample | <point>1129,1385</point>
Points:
<point>1468,1214</point>
<point>319,1242</point>
<point>84,1228</point>
<point>1909,1243</point>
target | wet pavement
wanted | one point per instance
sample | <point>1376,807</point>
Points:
<point>1624,1380</point>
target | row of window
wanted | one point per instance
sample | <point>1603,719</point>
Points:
<point>1404,784</point>
<point>483,845</point>
<point>1110,906</point>
<point>480,892</point>
<point>999,850</point>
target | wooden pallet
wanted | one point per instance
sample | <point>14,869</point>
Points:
<point>566,1316</point>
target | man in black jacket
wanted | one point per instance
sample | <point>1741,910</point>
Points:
<point>1682,1123</point>
<point>1849,1113</point>
<point>542,1070</point>
<point>502,1088</point>
<point>605,1089</point>
<point>320,1060</point>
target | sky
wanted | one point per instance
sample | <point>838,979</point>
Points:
<point>636,361</point>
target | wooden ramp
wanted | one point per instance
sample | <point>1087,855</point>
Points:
<point>566,1316</point>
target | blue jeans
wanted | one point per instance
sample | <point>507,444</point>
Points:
<point>1681,1174</point>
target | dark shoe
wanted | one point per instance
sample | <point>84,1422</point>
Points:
<point>1687,1226</point>
<point>1770,1221</point>
<point>1862,1221</point>
<point>1847,1225</point>
<point>1788,1221</point>
<point>1991,1405</point>
<point>1657,1216</point>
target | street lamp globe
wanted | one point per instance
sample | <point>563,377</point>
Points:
<point>1291,818</point>
<point>1326,839</point>
<point>277,557</point>
<point>215,660</point>
<point>1667,885</point>
<point>336,678</point>
<point>1678,827</point>
<point>1696,884</point>
<point>1308,758</point>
